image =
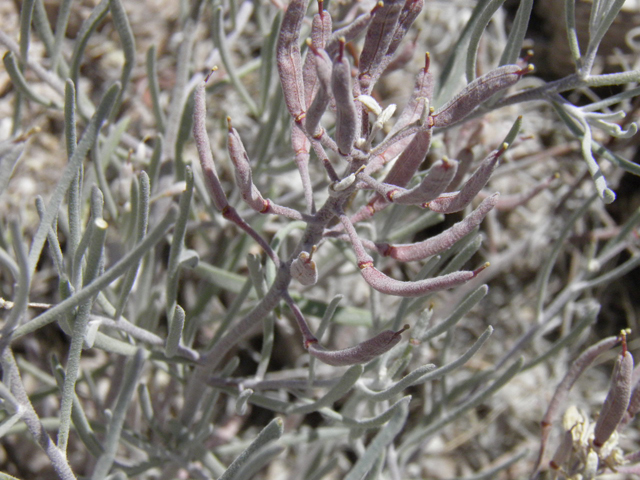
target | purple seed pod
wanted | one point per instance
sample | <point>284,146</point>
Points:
<point>362,353</point>
<point>423,88</point>
<point>410,159</point>
<point>478,91</point>
<point>408,14</point>
<point>634,404</point>
<point>352,30</point>
<point>322,64</point>
<point>377,41</point>
<point>376,163</point>
<point>289,60</point>
<point>346,115</point>
<point>410,11</point>
<point>433,184</point>
<point>385,284</point>
<point>585,359</point>
<point>379,160</point>
<point>403,57</point>
<point>204,150</point>
<point>617,401</point>
<point>321,26</point>
<point>301,145</point>
<point>244,180</point>
<point>445,240</point>
<point>304,268</point>
<point>454,202</point>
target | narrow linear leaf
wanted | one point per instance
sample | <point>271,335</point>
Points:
<point>377,446</point>
<point>271,432</point>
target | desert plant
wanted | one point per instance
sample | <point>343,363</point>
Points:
<point>159,302</point>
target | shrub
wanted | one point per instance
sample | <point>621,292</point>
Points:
<point>152,337</point>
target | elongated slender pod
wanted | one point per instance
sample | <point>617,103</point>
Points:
<point>455,202</point>
<point>376,43</point>
<point>617,401</point>
<point>289,60</point>
<point>346,115</point>
<point>362,353</point>
<point>481,89</point>
<point>323,66</point>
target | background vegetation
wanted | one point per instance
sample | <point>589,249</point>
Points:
<point>120,279</point>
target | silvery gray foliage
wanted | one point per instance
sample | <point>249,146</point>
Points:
<point>159,274</point>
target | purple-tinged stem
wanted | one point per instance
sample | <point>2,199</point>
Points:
<point>331,172</point>
<point>434,245</point>
<point>563,451</point>
<point>307,335</point>
<point>212,359</point>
